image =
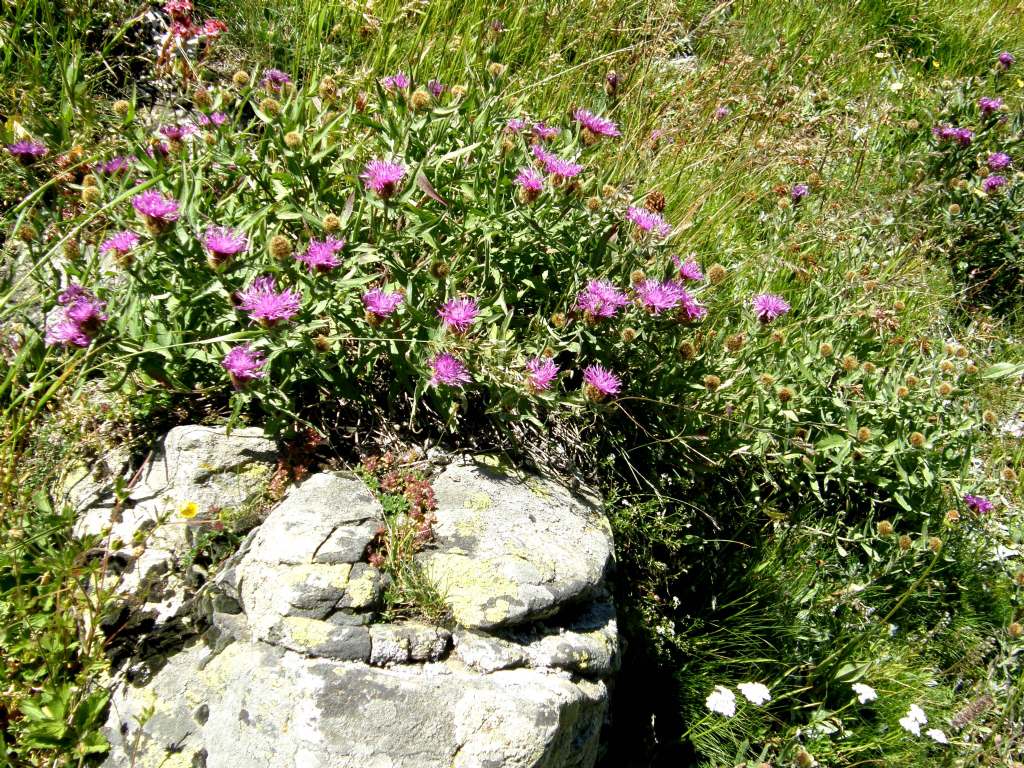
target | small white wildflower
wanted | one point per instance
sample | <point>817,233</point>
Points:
<point>937,735</point>
<point>865,693</point>
<point>913,720</point>
<point>755,693</point>
<point>722,701</point>
<point>896,87</point>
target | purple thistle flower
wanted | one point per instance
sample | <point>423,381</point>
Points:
<point>448,370</point>
<point>274,79</point>
<point>71,294</point>
<point>322,256</point>
<point>27,152</point>
<point>689,269</point>
<point>658,296</point>
<point>648,221</point>
<point>398,81</point>
<point>380,303</point>
<point>79,319</point>
<point>215,119</point>
<point>997,161</point>
<point>541,373</point>
<point>600,383</point>
<point>114,165</point>
<point>799,192</point>
<point>177,132</point>
<point>964,136</point>
<point>382,177</point>
<point>993,183</point>
<point>244,364</point>
<point>768,306</point>
<point>545,132</point>
<point>436,88</point>
<point>531,182</point>
<point>119,243</point>
<point>156,208</point>
<point>66,333</point>
<point>459,313</point>
<point>692,309</point>
<point>989,106</point>
<point>721,113</point>
<point>1006,59</point>
<point>265,304</point>
<point>555,165</point>
<point>978,504</point>
<point>86,311</point>
<point>600,299</point>
<point>222,243</point>
<point>158,150</point>
<point>515,125</point>
<point>599,126</point>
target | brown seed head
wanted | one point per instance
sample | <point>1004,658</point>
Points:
<point>655,201</point>
<point>712,382</point>
<point>241,78</point>
<point>785,394</point>
<point>850,363</point>
<point>825,349</point>
<point>121,108</point>
<point>916,439</point>
<point>735,342</point>
<point>419,100</point>
<point>280,247</point>
<point>863,434</point>
<point>687,351</point>
<point>717,273</point>
<point>293,139</point>
<point>884,528</point>
<point>271,107</point>
<point>905,542</point>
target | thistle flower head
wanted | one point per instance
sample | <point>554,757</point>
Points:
<point>153,206</point>
<point>459,313</point>
<point>600,299</point>
<point>599,126</point>
<point>993,183</point>
<point>397,81</point>
<point>216,119</point>
<point>989,105</point>
<point>275,79</point>
<point>689,269</point>
<point>658,296</point>
<point>448,370</point>
<point>265,304</point>
<point>382,177</point>
<point>600,383</point>
<point>541,372</point>
<point>997,161</point>
<point>224,242</point>
<point>78,320</point>
<point>978,504</point>
<point>244,364</point>
<point>436,88</point>
<point>27,152</point>
<point>515,125</point>
<point>322,256</point>
<point>1006,59</point>
<point>120,243</point>
<point>177,131</point>
<point>380,303</point>
<point>114,165</point>
<point>799,192</point>
<point>768,306</point>
<point>648,221</point>
<point>545,132</point>
<point>555,165</point>
<point>530,181</point>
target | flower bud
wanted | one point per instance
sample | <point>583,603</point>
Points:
<point>916,439</point>
<point>905,542</point>
<point>121,108</point>
<point>825,349</point>
<point>241,78</point>
<point>935,544</point>
<point>271,107</point>
<point>785,394</point>
<point>420,99</point>
<point>496,69</point>
<point>687,351</point>
<point>717,273</point>
<point>884,528</point>
<point>280,247</point>
<point>863,434</point>
<point>712,382</point>
<point>293,139</point>
<point>331,223</point>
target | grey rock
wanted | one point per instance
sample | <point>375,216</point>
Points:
<point>487,654</point>
<point>347,544</point>
<point>269,706</point>
<point>314,637</point>
<point>409,642</point>
<point>512,548</point>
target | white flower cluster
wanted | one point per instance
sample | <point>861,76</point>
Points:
<point>722,701</point>
<point>915,718</point>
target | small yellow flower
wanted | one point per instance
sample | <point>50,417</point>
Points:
<point>189,510</point>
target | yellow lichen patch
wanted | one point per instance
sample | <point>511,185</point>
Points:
<point>308,633</point>
<point>476,593</point>
<point>361,591</point>
<point>321,575</point>
<point>479,502</point>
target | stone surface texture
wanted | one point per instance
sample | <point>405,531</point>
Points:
<point>289,664</point>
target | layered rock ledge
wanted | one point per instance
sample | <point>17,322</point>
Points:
<point>284,658</point>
